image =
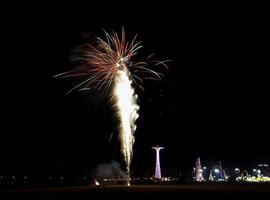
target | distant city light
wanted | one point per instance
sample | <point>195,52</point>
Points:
<point>263,165</point>
<point>97,183</point>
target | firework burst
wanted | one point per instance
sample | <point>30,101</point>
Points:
<point>107,66</point>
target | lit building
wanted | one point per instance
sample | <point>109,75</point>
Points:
<point>198,171</point>
<point>260,174</point>
<point>218,174</point>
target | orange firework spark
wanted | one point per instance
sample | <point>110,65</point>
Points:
<point>101,61</point>
<point>108,63</point>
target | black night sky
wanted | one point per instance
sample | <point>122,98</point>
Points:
<point>212,103</point>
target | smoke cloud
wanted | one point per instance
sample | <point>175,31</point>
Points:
<point>110,170</point>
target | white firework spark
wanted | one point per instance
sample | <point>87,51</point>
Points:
<point>107,66</point>
<point>126,107</point>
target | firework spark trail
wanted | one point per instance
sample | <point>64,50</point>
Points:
<point>125,105</point>
<point>107,66</point>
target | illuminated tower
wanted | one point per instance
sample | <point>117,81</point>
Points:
<point>198,171</point>
<point>158,171</point>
